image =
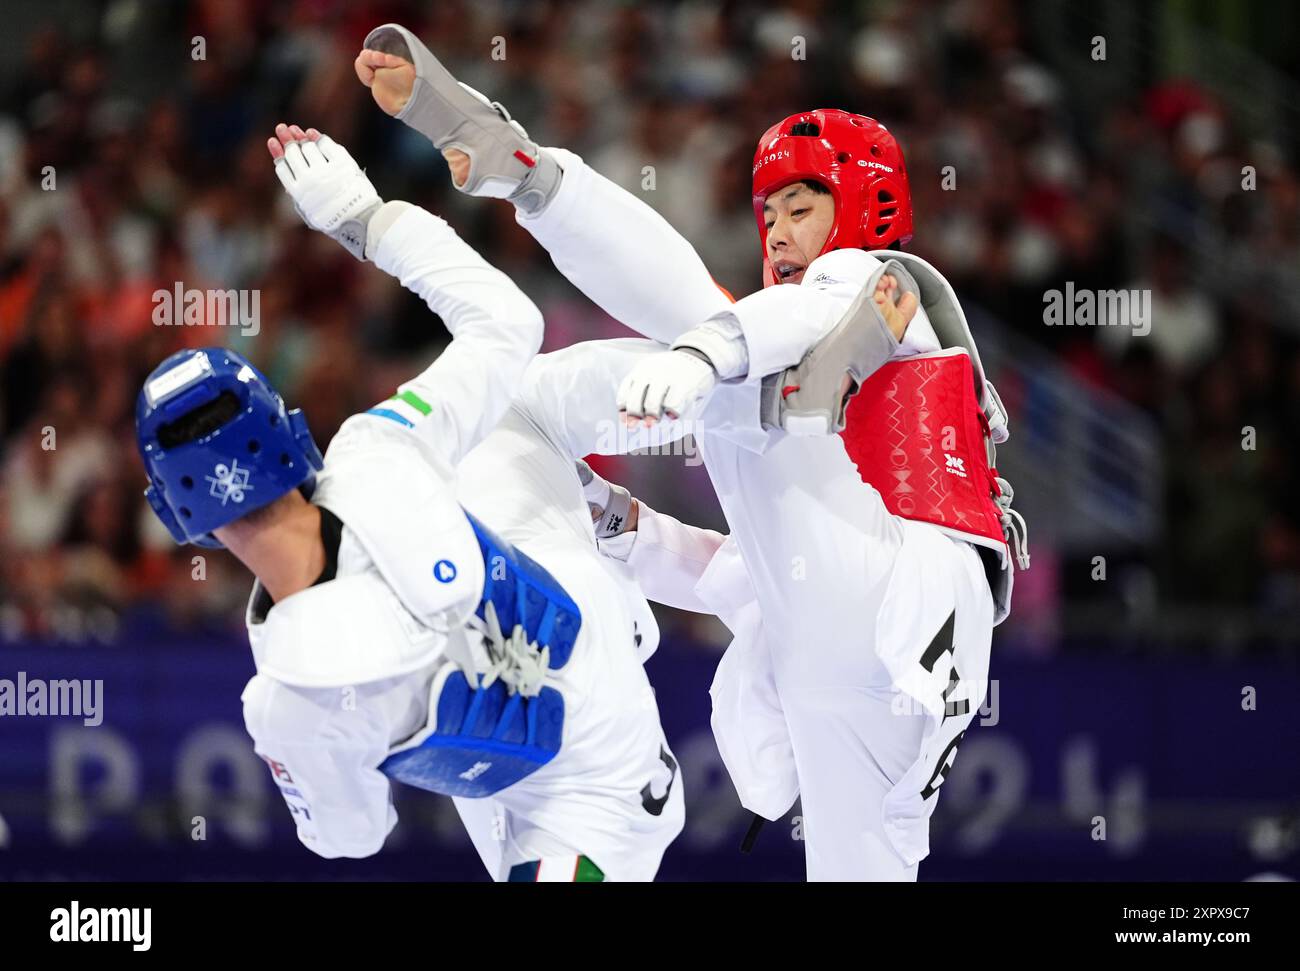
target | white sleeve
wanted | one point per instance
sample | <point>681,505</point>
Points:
<point>324,760</point>
<point>782,323</point>
<point>779,325</point>
<point>668,557</point>
<point>496,330</point>
<point>571,396</point>
<point>623,255</point>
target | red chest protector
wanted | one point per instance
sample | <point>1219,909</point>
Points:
<point>920,438</point>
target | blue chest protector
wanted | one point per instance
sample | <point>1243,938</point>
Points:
<point>481,740</point>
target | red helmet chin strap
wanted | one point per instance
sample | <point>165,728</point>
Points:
<point>853,156</point>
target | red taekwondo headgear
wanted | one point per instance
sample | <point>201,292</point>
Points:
<point>856,158</point>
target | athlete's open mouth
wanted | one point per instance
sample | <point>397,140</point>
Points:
<point>787,272</point>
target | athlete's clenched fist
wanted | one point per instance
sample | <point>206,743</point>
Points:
<point>668,385</point>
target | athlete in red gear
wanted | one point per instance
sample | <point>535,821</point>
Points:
<point>862,634</point>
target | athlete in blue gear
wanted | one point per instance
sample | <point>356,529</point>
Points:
<point>430,605</point>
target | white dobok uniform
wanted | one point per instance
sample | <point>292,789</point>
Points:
<point>861,640</point>
<point>345,666</point>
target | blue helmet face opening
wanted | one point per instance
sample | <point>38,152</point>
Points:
<point>217,442</point>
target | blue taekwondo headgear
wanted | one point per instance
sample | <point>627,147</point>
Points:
<point>244,452</point>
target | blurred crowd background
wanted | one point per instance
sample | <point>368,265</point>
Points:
<point>126,166</point>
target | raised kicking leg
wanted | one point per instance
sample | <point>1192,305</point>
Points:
<point>626,257</point>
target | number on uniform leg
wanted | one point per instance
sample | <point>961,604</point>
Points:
<point>655,806</point>
<point>945,640</point>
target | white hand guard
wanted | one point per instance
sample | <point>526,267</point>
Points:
<point>667,385</point>
<point>610,505</point>
<point>329,190</point>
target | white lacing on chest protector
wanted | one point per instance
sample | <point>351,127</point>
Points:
<point>513,659</point>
